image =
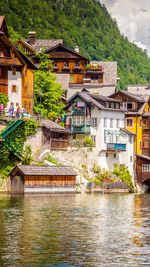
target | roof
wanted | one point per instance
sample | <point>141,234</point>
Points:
<point>137,97</point>
<point>127,131</point>
<point>146,114</point>
<point>45,43</point>
<point>96,100</point>
<point>28,62</point>
<point>68,49</point>
<point>143,157</point>
<point>43,171</point>
<point>53,126</point>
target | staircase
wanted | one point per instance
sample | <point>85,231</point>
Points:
<point>11,127</point>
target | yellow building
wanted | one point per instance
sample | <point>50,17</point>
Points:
<point>136,107</point>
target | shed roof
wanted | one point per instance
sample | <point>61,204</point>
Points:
<point>43,171</point>
<point>53,126</point>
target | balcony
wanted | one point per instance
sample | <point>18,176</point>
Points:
<point>81,129</point>
<point>116,147</point>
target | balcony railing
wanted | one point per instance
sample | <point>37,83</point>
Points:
<point>116,146</point>
<point>84,129</point>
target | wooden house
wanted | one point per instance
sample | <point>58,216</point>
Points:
<point>143,169</point>
<point>16,72</point>
<point>37,179</point>
<point>55,136</point>
<point>137,119</point>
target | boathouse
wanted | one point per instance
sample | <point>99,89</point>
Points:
<point>41,179</point>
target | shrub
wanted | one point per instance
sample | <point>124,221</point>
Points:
<point>88,142</point>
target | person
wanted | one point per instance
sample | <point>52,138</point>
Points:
<point>18,112</point>
<point>11,111</point>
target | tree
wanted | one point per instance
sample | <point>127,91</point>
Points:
<point>3,99</point>
<point>47,91</point>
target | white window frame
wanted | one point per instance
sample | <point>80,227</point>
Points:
<point>111,123</point>
<point>94,121</point>
<point>145,167</point>
<point>105,122</point>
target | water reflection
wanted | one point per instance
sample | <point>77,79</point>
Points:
<point>75,230</point>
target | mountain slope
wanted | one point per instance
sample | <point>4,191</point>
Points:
<point>85,23</point>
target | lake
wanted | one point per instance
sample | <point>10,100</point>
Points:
<point>75,230</point>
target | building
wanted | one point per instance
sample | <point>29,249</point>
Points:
<point>143,170</point>
<point>37,179</point>
<point>139,89</point>
<point>102,119</point>
<point>16,72</point>
<point>55,136</point>
<point>137,119</point>
<point>73,70</point>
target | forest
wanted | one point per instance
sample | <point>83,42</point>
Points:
<point>85,23</point>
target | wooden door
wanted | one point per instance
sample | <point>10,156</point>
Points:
<point>17,185</point>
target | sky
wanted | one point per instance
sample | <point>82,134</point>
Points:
<point>133,19</point>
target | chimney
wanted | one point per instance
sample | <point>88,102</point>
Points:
<point>77,49</point>
<point>32,37</point>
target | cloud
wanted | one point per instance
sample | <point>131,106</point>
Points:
<point>133,19</point>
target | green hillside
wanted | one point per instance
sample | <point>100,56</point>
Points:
<point>85,23</point>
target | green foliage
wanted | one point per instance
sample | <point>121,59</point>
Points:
<point>88,142</point>
<point>86,23</point>
<point>53,160</point>
<point>47,91</point>
<point>3,99</point>
<point>14,35</point>
<point>27,155</point>
<point>122,172</point>
<point>16,139</point>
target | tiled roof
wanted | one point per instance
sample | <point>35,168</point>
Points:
<point>40,170</point>
<point>139,98</point>
<point>46,44</point>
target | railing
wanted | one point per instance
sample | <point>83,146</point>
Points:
<point>81,129</point>
<point>116,146</point>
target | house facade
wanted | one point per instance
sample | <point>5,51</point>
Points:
<point>73,70</point>
<point>16,73</point>
<point>102,119</point>
<point>137,119</point>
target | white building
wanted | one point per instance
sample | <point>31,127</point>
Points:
<point>103,119</point>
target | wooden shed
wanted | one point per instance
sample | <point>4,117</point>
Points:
<point>56,136</point>
<point>37,179</point>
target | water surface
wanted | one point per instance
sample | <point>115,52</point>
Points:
<point>75,230</point>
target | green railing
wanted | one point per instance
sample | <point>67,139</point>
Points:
<point>81,129</point>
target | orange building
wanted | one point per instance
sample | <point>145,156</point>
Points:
<point>16,72</point>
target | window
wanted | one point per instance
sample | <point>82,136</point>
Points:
<point>112,105</point>
<point>130,158</point>
<point>14,89</point>
<point>117,105</point>
<point>66,64</point>
<point>129,122</point>
<point>105,122</point>
<point>117,139</point>
<point>115,156</point>
<point>78,120</point>
<point>129,106</point>
<point>106,155</point>
<point>13,71</point>
<point>111,123</point>
<point>146,168</point>
<point>94,121</point>
<point>105,138</point>
<point>107,105</point>
<point>77,64</point>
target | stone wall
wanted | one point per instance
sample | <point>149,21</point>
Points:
<point>36,142</point>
